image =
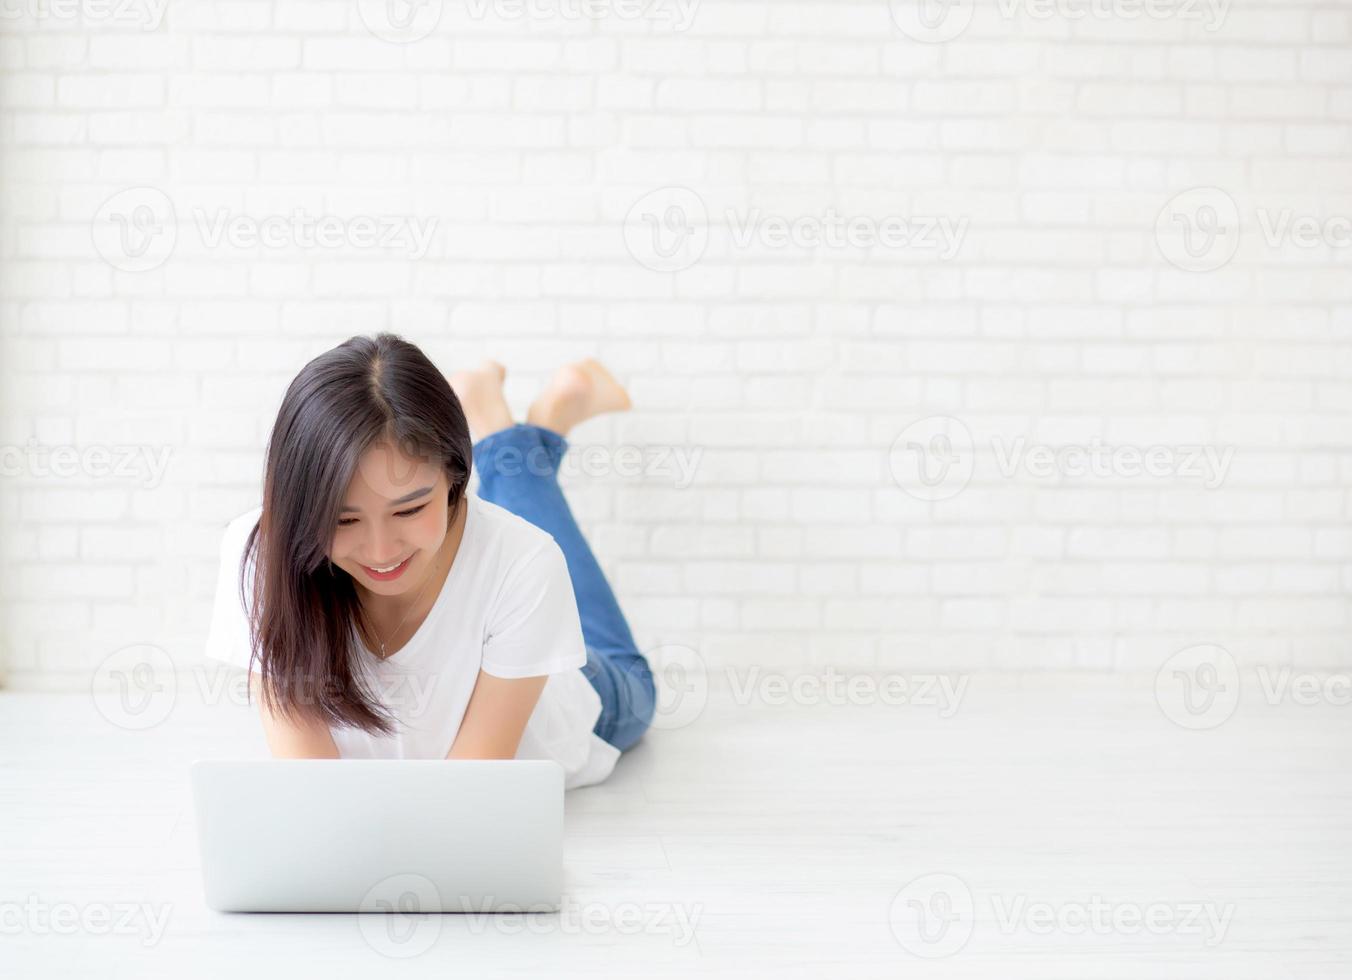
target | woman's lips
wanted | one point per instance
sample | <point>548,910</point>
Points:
<point>392,574</point>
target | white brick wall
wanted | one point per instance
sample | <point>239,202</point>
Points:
<point>1062,311</point>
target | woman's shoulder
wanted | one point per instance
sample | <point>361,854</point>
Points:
<point>235,532</point>
<point>243,523</point>
<point>510,536</point>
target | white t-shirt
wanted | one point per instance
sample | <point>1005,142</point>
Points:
<point>507,606</point>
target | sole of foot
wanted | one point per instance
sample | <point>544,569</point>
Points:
<point>480,393</point>
<point>577,392</point>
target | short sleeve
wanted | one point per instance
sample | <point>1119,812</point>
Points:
<point>228,634</point>
<point>534,627</point>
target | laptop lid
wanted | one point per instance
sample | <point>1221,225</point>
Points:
<point>380,835</point>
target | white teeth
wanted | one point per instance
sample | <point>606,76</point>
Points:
<point>384,570</point>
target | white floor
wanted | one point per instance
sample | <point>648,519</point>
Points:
<point>758,839</point>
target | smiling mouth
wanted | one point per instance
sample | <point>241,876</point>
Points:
<point>387,571</point>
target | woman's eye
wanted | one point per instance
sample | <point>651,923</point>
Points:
<point>345,521</point>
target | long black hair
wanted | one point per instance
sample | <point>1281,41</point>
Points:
<point>365,391</point>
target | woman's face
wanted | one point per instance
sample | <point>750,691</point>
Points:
<point>394,519</point>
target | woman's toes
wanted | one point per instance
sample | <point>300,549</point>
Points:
<point>483,382</point>
<point>571,384</point>
<point>608,395</point>
<point>563,403</point>
<point>480,394</point>
<point>567,394</point>
<point>577,392</point>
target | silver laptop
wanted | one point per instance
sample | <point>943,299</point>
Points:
<point>380,835</point>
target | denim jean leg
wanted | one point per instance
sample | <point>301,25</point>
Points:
<point>518,470</point>
<point>637,703</point>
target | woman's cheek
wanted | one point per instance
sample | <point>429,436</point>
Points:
<point>341,545</point>
<point>431,527</point>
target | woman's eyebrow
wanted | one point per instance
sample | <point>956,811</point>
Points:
<point>395,503</point>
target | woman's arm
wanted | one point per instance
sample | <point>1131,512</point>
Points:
<point>496,716</point>
<point>290,740</point>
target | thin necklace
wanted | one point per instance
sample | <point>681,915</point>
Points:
<point>421,591</point>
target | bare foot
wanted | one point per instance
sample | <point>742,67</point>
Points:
<point>577,392</point>
<point>480,394</point>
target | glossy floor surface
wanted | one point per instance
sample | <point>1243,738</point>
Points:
<point>988,826</point>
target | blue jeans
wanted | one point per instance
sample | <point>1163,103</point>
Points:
<point>518,470</point>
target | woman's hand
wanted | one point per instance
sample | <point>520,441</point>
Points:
<point>291,740</point>
<point>494,722</point>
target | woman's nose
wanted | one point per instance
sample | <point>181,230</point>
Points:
<point>382,547</point>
